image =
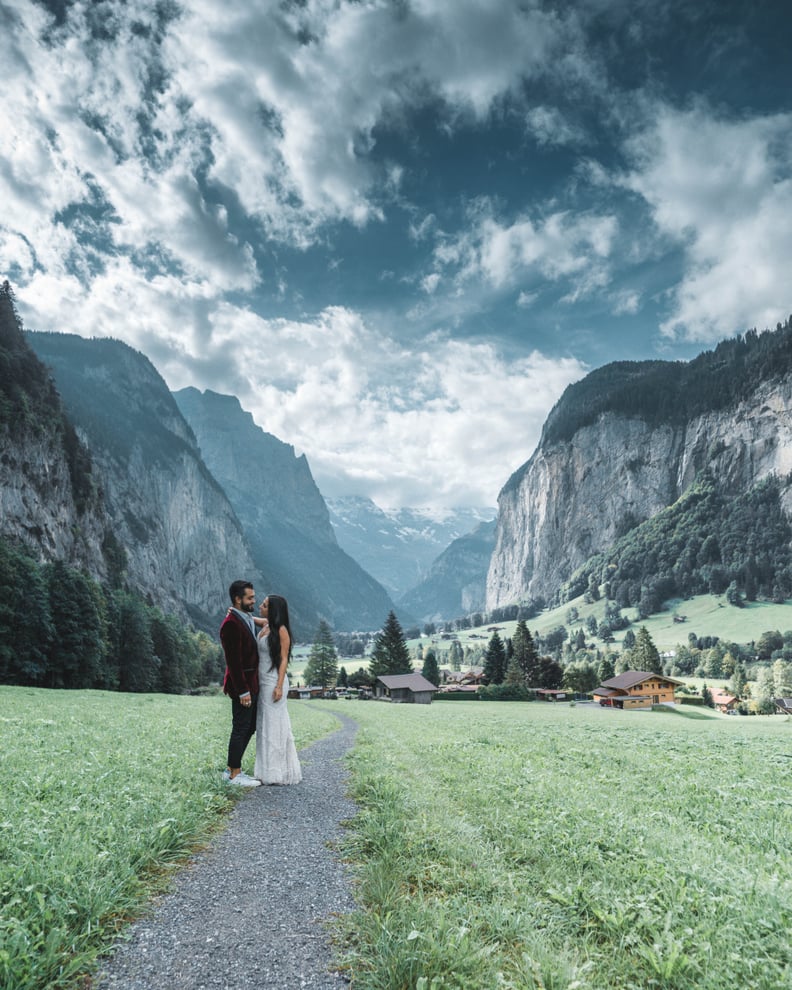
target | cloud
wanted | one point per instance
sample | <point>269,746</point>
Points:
<point>562,247</point>
<point>721,190</point>
<point>292,99</point>
<point>444,426</point>
<point>550,127</point>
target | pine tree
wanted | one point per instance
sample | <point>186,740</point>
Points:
<point>322,666</point>
<point>645,655</point>
<point>495,660</point>
<point>525,655</point>
<point>77,648</point>
<point>389,654</point>
<point>430,669</point>
<point>606,669</point>
<point>132,647</point>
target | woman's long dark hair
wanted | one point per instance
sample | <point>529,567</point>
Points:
<point>277,615</point>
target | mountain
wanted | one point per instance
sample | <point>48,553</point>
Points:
<point>398,546</point>
<point>627,442</point>
<point>456,582</point>
<point>50,498</point>
<point>284,516</point>
<point>182,540</point>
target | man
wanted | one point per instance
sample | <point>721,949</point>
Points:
<point>241,681</point>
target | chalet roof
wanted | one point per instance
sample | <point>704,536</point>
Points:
<point>723,697</point>
<point>413,682</point>
<point>632,677</point>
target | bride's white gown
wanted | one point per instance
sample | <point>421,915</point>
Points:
<point>276,754</point>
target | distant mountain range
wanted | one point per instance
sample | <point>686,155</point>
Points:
<point>398,546</point>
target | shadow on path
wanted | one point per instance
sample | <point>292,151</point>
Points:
<point>248,912</point>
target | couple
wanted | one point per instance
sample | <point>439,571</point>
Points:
<point>257,653</point>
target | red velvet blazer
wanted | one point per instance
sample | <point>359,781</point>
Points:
<point>241,657</point>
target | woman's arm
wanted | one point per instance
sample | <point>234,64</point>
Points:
<point>277,691</point>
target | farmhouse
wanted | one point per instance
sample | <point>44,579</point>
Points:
<point>636,689</point>
<point>783,705</point>
<point>724,701</point>
<point>405,688</point>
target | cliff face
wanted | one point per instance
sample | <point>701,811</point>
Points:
<point>50,501</point>
<point>182,539</point>
<point>576,495</point>
<point>284,517</point>
<point>456,582</point>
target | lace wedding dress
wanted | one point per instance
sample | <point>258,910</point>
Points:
<point>276,754</point>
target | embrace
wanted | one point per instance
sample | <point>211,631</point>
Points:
<point>257,653</point>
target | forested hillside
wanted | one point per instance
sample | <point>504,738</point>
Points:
<point>706,542</point>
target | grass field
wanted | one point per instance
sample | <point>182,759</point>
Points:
<point>497,846</point>
<point>102,794</point>
<point>552,846</point>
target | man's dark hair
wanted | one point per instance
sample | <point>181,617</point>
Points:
<point>237,589</point>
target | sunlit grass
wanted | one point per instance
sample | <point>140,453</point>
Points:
<point>102,794</point>
<point>550,846</point>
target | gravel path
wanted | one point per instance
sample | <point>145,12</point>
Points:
<point>247,914</point>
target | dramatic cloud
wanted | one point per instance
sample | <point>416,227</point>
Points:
<point>347,212</point>
<point>722,189</point>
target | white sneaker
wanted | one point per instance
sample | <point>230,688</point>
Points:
<point>242,780</point>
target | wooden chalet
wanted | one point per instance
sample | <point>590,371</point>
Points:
<point>636,689</point>
<point>410,689</point>
<point>724,701</point>
<point>784,705</point>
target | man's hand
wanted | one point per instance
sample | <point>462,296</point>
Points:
<point>245,699</point>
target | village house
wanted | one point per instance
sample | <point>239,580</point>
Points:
<point>636,689</point>
<point>724,701</point>
<point>405,688</point>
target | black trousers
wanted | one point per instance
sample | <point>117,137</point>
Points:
<point>243,727</point>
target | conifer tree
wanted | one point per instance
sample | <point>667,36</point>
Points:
<point>525,655</point>
<point>645,655</point>
<point>389,654</point>
<point>430,669</point>
<point>495,660</point>
<point>322,666</point>
<point>77,647</point>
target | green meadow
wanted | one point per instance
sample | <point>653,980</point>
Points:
<point>557,846</point>
<point>497,845</point>
<point>102,796</point>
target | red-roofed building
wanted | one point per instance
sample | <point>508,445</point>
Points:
<point>724,701</point>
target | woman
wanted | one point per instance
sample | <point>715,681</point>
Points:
<point>276,754</point>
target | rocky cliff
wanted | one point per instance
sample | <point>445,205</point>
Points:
<point>456,582</point>
<point>50,499</point>
<point>627,442</point>
<point>182,539</point>
<point>284,517</point>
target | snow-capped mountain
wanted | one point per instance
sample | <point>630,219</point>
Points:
<point>398,546</point>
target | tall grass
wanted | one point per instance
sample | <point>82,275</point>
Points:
<point>550,846</point>
<point>101,795</point>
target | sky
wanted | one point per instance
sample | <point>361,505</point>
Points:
<point>397,229</point>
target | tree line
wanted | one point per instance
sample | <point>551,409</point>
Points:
<point>59,628</point>
<point>674,391</point>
